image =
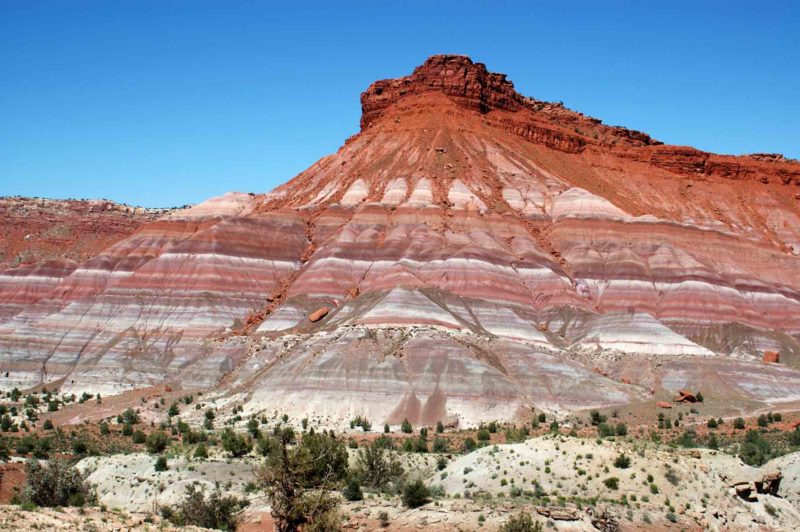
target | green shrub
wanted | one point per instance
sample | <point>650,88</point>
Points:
<point>712,423</point>
<point>469,445</point>
<point>48,425</point>
<point>201,451</point>
<point>139,437</point>
<point>56,484</point>
<point>738,423</point>
<point>127,430</point>
<point>611,483</point>
<point>237,445</point>
<point>622,461</point>
<point>415,494</point>
<point>161,464</point>
<point>406,427</point>
<point>521,522</point>
<point>156,442</point>
<point>352,491</point>
<point>217,511</point>
<point>483,435</point>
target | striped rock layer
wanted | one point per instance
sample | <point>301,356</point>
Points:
<point>480,253</point>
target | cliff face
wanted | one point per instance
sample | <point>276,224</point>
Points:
<point>479,252</point>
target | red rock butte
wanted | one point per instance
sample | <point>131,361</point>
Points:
<point>478,252</point>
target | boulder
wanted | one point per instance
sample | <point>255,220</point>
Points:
<point>685,396</point>
<point>663,404</point>
<point>771,357</point>
<point>625,380</point>
<point>746,491</point>
<point>318,314</point>
<point>769,483</point>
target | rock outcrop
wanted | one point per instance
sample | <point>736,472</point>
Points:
<point>483,251</point>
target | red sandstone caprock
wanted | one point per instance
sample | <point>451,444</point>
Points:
<point>663,404</point>
<point>318,314</point>
<point>771,357</point>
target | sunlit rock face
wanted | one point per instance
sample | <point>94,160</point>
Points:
<point>480,253</point>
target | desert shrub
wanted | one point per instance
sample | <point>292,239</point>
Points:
<point>236,445</point>
<point>174,410</point>
<point>762,420</point>
<point>687,439</point>
<point>352,491</point>
<point>48,425</point>
<point>469,445</point>
<point>542,417</point>
<point>129,417</point>
<point>712,423</point>
<point>611,483</point>
<point>415,494</point>
<point>79,447</point>
<point>156,442</point>
<point>138,437</point>
<point>622,461</point>
<point>56,484</point>
<point>201,451</point>
<point>738,423</point>
<point>521,522</point>
<point>386,429</point>
<point>383,518</point>
<point>439,427</point>
<point>554,426</point>
<point>622,429</point>
<point>104,430</point>
<point>483,435</point>
<point>161,464</point>
<point>596,417</point>
<point>440,445</point>
<point>755,450</point>
<point>406,427</point>
<point>215,511</point>
<point>605,430</point>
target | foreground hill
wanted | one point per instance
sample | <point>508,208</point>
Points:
<point>470,254</point>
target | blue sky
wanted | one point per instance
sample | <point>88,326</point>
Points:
<point>166,103</point>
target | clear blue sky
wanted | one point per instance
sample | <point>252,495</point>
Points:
<point>165,103</point>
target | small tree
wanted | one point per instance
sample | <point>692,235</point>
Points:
<point>174,410</point>
<point>386,429</point>
<point>415,494</point>
<point>738,423</point>
<point>127,430</point>
<point>298,480</point>
<point>56,484</point>
<point>439,427</point>
<point>129,417</point>
<point>712,423</point>
<point>376,466</point>
<point>406,427</point>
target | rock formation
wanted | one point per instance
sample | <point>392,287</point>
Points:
<point>479,253</point>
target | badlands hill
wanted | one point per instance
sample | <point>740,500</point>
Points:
<point>469,254</point>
